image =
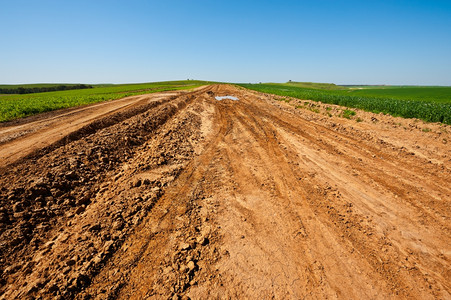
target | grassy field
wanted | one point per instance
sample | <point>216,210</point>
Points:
<point>312,85</point>
<point>18,106</point>
<point>421,93</point>
<point>34,85</point>
<point>432,104</point>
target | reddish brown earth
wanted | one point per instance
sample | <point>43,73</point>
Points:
<point>179,195</point>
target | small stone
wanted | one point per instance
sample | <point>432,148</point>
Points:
<point>184,246</point>
<point>71,175</point>
<point>84,199</point>
<point>183,268</point>
<point>108,246</point>
<point>203,240</point>
<point>70,262</point>
<point>49,245</point>
<point>137,183</point>
<point>97,259</point>
<point>191,265</point>
<point>168,270</point>
<point>118,225</point>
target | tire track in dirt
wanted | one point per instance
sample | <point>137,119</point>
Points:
<point>282,189</point>
<point>382,174</point>
<point>19,139</point>
<point>444,264</point>
<point>66,190</point>
<point>200,198</point>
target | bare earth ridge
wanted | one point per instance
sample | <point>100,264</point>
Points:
<point>176,195</point>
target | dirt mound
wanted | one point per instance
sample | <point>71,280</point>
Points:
<point>181,195</point>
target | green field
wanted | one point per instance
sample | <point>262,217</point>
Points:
<point>18,106</point>
<point>432,104</point>
<point>313,85</point>
<point>33,85</point>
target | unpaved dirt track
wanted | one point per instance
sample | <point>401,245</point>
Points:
<point>22,137</point>
<point>199,198</point>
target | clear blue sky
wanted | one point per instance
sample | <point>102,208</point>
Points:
<point>374,42</point>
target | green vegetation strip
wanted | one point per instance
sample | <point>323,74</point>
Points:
<point>431,104</point>
<point>43,89</point>
<point>19,106</point>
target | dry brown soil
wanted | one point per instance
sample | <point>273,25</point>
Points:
<point>178,195</point>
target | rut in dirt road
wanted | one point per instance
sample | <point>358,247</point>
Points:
<point>249,198</point>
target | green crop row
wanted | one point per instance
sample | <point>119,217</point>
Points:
<point>407,105</point>
<point>18,106</point>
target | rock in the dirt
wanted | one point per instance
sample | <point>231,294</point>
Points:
<point>84,199</point>
<point>191,265</point>
<point>70,262</point>
<point>71,175</point>
<point>183,268</point>
<point>97,259</point>
<point>108,247</point>
<point>137,183</point>
<point>184,246</point>
<point>118,225</point>
<point>203,240</point>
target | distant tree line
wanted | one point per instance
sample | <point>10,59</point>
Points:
<point>30,90</point>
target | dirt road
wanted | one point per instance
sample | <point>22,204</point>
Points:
<point>25,136</point>
<point>188,196</point>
